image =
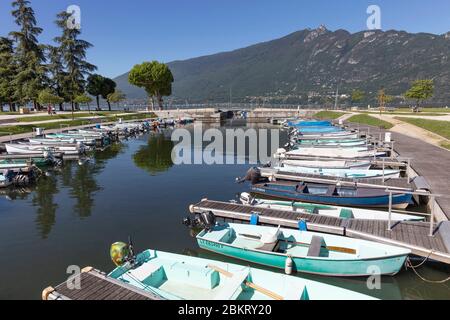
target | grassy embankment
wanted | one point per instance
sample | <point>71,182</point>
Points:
<point>395,113</point>
<point>438,127</point>
<point>18,129</point>
<point>67,116</point>
<point>370,121</point>
<point>329,115</point>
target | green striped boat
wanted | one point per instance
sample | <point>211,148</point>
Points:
<point>308,252</point>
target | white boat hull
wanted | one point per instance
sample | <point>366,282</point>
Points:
<point>339,164</point>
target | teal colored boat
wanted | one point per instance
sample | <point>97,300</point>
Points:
<point>23,163</point>
<point>176,277</point>
<point>308,252</point>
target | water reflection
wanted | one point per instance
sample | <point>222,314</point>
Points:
<point>109,153</point>
<point>43,198</point>
<point>83,186</point>
<point>156,156</point>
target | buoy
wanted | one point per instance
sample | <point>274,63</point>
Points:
<point>288,266</point>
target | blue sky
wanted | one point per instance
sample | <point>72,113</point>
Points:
<point>128,32</point>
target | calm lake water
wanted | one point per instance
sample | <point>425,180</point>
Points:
<point>73,215</point>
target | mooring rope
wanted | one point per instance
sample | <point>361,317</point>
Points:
<point>409,265</point>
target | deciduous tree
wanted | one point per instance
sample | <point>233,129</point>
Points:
<point>156,78</point>
<point>420,91</point>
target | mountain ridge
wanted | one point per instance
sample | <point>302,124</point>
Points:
<point>308,65</point>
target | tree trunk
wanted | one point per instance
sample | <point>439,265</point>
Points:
<point>98,103</point>
<point>160,101</point>
<point>152,104</point>
<point>109,105</point>
<point>61,106</point>
<point>73,109</point>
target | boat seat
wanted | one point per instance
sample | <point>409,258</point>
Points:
<point>195,275</point>
<point>145,271</point>
<point>269,247</point>
<point>346,214</point>
<point>315,246</point>
<point>233,286</point>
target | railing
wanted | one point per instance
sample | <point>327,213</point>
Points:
<point>432,197</point>
<point>4,133</point>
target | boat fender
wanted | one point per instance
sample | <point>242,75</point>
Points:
<point>47,292</point>
<point>191,208</point>
<point>302,225</point>
<point>288,267</point>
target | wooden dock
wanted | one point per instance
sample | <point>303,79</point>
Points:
<point>95,285</point>
<point>411,235</point>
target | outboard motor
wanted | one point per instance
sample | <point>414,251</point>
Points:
<point>253,175</point>
<point>208,220</point>
<point>122,253</point>
<point>280,154</point>
<point>247,199</point>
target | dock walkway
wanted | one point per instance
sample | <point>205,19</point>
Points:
<point>427,160</point>
<point>411,235</point>
<point>95,285</point>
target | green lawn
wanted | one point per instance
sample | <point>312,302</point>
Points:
<point>371,121</point>
<point>18,129</point>
<point>407,113</point>
<point>441,128</point>
<point>67,116</point>
<point>444,110</point>
<point>329,115</point>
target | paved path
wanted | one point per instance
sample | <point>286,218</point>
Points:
<point>429,161</point>
<point>414,131</point>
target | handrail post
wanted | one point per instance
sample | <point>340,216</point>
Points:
<point>433,199</point>
<point>392,150</point>
<point>390,212</point>
<point>408,170</point>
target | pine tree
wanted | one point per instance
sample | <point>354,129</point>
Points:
<point>58,75</point>
<point>73,51</point>
<point>8,72</point>
<point>29,55</point>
